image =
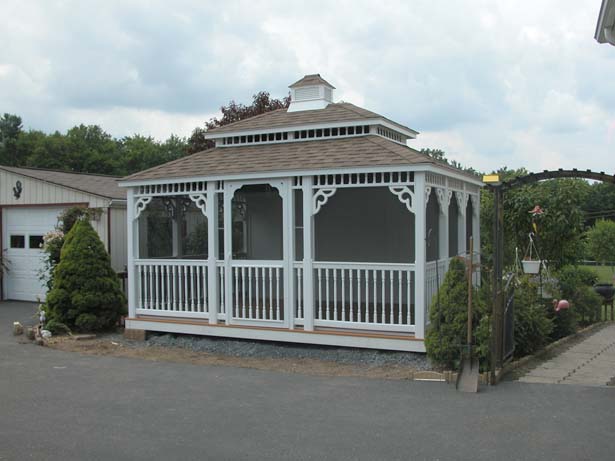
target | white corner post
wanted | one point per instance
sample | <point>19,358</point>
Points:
<point>308,255</point>
<point>288,250</point>
<point>420,213</point>
<point>212,252</point>
<point>444,200</point>
<point>462,238</point>
<point>229,191</point>
<point>133,231</point>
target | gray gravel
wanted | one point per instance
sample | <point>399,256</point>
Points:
<point>262,349</point>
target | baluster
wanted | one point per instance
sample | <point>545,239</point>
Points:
<point>174,285</point>
<point>319,310</point>
<point>359,313</point>
<point>191,272</point>
<point>198,288</point>
<point>277,293</point>
<point>375,290</point>
<point>256,283</point>
<point>250,292</point>
<point>392,300</point>
<point>244,290</point>
<point>408,289</point>
<point>328,307</point>
<point>157,287</point>
<point>185,304</point>
<point>140,290</point>
<point>204,271</point>
<point>221,290</point>
<point>299,293</point>
<point>168,293</point>
<point>151,287</point>
<point>264,286</point>
<point>382,308</point>
<point>271,293</point>
<point>335,295</point>
<point>400,297</point>
<point>367,295</point>
<point>351,286</point>
<point>236,277</point>
<point>343,276</point>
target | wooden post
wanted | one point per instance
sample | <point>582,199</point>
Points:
<point>213,286</point>
<point>308,255</point>
<point>420,243</point>
<point>133,231</point>
<point>498,254</point>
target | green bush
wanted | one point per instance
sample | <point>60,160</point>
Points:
<point>57,328</point>
<point>575,284</point>
<point>449,319</point>
<point>86,292</point>
<point>533,326</point>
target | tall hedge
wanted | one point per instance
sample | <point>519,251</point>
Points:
<point>448,318</point>
<point>86,293</point>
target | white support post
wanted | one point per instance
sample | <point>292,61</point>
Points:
<point>308,255</point>
<point>212,251</point>
<point>228,250</point>
<point>288,223</point>
<point>419,253</point>
<point>443,227</point>
<point>462,238</point>
<point>133,232</point>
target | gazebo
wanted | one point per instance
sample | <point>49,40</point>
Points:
<point>313,224</point>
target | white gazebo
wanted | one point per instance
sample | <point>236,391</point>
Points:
<point>313,224</point>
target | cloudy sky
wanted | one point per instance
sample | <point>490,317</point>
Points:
<point>491,82</point>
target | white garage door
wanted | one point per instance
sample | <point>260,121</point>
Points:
<point>22,232</point>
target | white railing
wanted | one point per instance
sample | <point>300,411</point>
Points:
<point>258,290</point>
<point>364,296</point>
<point>221,291</point>
<point>434,276</point>
<point>172,287</point>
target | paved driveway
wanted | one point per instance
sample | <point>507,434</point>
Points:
<point>591,362</point>
<point>64,406</point>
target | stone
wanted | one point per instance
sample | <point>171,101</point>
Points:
<point>17,328</point>
<point>46,334</point>
<point>31,333</point>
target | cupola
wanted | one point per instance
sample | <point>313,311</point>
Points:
<point>312,92</point>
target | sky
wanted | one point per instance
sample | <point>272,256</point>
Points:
<point>491,82</point>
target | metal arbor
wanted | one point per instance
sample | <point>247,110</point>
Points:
<point>499,188</point>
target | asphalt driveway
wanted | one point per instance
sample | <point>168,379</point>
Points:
<point>65,406</point>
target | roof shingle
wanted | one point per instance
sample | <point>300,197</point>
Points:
<point>360,151</point>
<point>101,185</point>
<point>334,112</point>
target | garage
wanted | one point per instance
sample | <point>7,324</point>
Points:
<point>30,202</point>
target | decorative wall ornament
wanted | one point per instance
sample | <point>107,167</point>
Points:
<point>444,199</point>
<point>169,205</point>
<point>427,195</point>
<point>200,200</point>
<point>320,198</point>
<point>462,201</point>
<point>141,204</point>
<point>17,189</point>
<point>405,196</point>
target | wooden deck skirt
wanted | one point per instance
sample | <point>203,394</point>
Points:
<point>326,337</point>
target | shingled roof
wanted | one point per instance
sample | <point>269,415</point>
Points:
<point>359,151</point>
<point>310,80</point>
<point>334,112</point>
<point>101,185</point>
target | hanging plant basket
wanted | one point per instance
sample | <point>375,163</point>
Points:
<point>531,267</point>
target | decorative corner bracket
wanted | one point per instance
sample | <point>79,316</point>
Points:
<point>320,198</point>
<point>200,200</point>
<point>427,195</point>
<point>475,204</point>
<point>141,204</point>
<point>462,201</point>
<point>405,196</point>
<point>444,199</point>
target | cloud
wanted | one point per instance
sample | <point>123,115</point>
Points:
<point>491,82</point>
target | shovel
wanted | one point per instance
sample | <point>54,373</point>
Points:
<point>467,379</point>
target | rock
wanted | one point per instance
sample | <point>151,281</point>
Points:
<point>46,334</point>
<point>17,328</point>
<point>31,333</point>
<point>40,341</point>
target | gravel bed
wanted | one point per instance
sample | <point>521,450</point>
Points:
<point>266,349</point>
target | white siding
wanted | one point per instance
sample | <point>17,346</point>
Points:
<point>119,252</point>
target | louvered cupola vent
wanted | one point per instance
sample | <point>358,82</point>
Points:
<point>312,92</point>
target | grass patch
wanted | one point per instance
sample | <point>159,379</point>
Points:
<point>605,273</point>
